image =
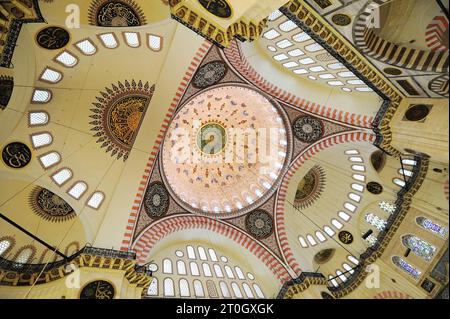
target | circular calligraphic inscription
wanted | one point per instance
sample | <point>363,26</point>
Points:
<point>98,289</point>
<point>259,223</point>
<point>211,138</point>
<point>346,237</point>
<point>156,200</point>
<point>374,188</point>
<point>209,74</point>
<point>219,8</point>
<point>341,19</point>
<point>16,155</point>
<point>392,71</point>
<point>117,14</point>
<point>53,38</point>
<point>417,112</point>
<point>308,129</point>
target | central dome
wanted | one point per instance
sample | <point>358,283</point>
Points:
<point>224,151</point>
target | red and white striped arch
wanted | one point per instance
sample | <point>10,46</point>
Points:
<point>174,223</point>
<point>197,59</point>
<point>280,227</point>
<point>240,63</point>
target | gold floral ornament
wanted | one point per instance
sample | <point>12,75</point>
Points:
<point>117,116</point>
<point>50,206</point>
<point>122,13</point>
<point>310,188</point>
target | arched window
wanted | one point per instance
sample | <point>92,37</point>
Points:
<point>311,240</point>
<point>359,177</point>
<point>358,187</point>
<point>198,289</point>
<point>239,273</point>
<point>248,291</point>
<point>167,266</point>
<point>302,242</point>
<point>212,290</point>
<point>236,290</point>
<point>399,182</point>
<point>155,42</point>
<point>218,271</point>
<point>376,221</point>
<point>333,281</point>
<point>387,207</point>
<point>169,289</point>
<point>184,288</point>
<point>419,247</point>
<point>50,75</point>
<point>62,176</point>
<point>181,267</point>
<point>353,260</point>
<point>24,255</point>
<point>212,254</point>
<point>67,59</point>
<point>348,268</point>
<point>329,231</point>
<point>202,253</point>
<point>36,118</point>
<point>41,140</point>
<point>96,200</point>
<point>341,276</point>
<point>258,291</point>
<point>432,226</point>
<point>50,159</point>
<point>78,190</point>
<point>206,270</point>
<point>5,245</point>
<point>224,289</point>
<point>229,272</point>
<point>132,39</point>
<point>344,216</point>
<point>413,272</point>
<point>109,40</point>
<point>371,240</point>
<point>153,288</point>
<point>337,224</point>
<point>191,252</point>
<point>194,269</point>
<point>86,47</point>
<point>41,96</point>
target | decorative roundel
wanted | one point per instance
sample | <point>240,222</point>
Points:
<point>259,224</point>
<point>308,129</point>
<point>211,158</point>
<point>341,19</point>
<point>98,289</point>
<point>16,155</point>
<point>324,256</point>
<point>156,200</point>
<point>392,71</point>
<point>374,188</point>
<point>50,206</point>
<point>440,85</point>
<point>210,74</point>
<point>123,13</point>
<point>345,237</point>
<point>53,38</point>
<point>117,115</point>
<point>417,112</point>
<point>219,8</point>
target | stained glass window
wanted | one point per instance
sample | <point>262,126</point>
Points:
<point>376,221</point>
<point>371,240</point>
<point>4,245</point>
<point>388,207</point>
<point>419,247</point>
<point>413,272</point>
<point>433,227</point>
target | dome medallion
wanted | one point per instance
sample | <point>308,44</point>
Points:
<point>225,151</point>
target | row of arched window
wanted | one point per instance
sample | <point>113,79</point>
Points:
<point>350,206</point>
<point>43,139</point>
<point>27,253</point>
<point>203,273</point>
<point>198,289</point>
